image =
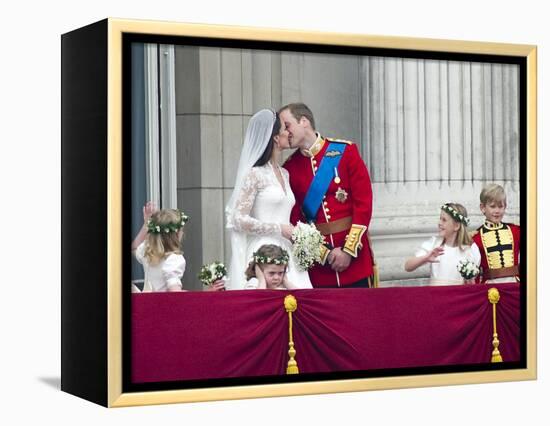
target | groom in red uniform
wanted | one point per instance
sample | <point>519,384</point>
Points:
<point>332,188</point>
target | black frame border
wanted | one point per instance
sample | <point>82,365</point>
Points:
<point>128,38</point>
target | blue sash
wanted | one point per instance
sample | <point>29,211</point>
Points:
<point>321,181</point>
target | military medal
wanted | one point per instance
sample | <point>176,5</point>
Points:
<point>337,179</point>
<point>341,195</point>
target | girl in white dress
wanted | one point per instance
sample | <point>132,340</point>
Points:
<point>158,248</point>
<point>444,252</point>
<point>267,269</point>
<point>258,211</point>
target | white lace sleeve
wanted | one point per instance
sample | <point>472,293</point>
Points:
<point>242,220</point>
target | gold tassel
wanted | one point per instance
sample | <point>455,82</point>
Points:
<point>494,297</point>
<point>290,306</point>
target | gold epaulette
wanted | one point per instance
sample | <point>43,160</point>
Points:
<point>341,141</point>
<point>353,239</point>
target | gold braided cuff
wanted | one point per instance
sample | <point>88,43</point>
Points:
<point>324,253</point>
<point>353,240</point>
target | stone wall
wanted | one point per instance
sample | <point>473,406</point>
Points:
<point>429,131</point>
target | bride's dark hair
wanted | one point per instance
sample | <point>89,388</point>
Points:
<point>266,156</point>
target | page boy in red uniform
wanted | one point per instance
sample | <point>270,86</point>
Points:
<point>333,190</point>
<point>498,242</point>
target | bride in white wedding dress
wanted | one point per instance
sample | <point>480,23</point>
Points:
<point>258,211</point>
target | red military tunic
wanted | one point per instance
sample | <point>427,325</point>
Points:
<point>499,247</point>
<point>346,209</point>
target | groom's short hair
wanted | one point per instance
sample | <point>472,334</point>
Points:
<point>299,110</point>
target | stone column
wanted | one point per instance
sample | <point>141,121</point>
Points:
<point>436,131</point>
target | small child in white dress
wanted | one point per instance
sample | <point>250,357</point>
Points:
<point>158,248</point>
<point>267,269</point>
<point>444,252</point>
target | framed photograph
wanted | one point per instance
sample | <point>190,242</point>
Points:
<point>193,150</point>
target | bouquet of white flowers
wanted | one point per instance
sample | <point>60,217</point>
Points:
<point>306,247</point>
<point>212,272</point>
<point>468,269</point>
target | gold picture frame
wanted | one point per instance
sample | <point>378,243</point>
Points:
<point>108,37</point>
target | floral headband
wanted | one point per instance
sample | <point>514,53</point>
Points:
<point>455,214</point>
<point>157,228</point>
<point>280,260</point>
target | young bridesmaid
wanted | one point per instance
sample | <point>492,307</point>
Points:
<point>267,270</point>
<point>158,247</point>
<point>444,252</point>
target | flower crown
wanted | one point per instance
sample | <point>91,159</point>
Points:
<point>455,214</point>
<point>280,260</point>
<point>157,228</point>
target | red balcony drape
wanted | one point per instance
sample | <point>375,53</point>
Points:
<point>202,335</point>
